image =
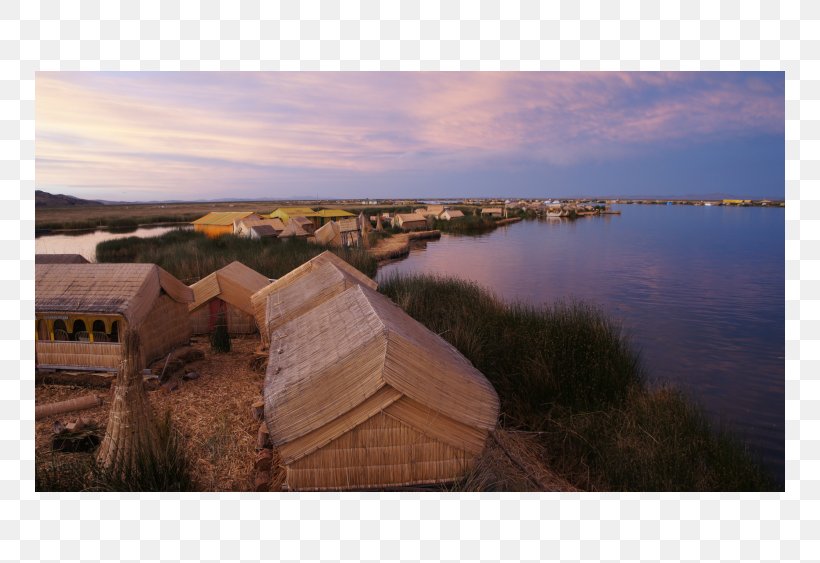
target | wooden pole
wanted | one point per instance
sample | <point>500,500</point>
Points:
<point>80,403</point>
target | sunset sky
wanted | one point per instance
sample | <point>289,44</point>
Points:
<point>210,135</point>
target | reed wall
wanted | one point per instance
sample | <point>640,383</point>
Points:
<point>381,452</point>
<point>78,355</point>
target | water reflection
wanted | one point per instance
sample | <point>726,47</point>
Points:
<point>85,242</point>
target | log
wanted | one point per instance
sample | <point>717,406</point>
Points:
<point>80,403</point>
<point>264,460</point>
<point>258,410</point>
<point>263,437</point>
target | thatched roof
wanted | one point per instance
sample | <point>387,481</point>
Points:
<point>357,356</point>
<point>348,225</point>
<point>59,259</point>
<point>452,213</point>
<point>234,284</point>
<point>494,210</point>
<point>328,234</point>
<point>408,217</point>
<point>125,289</point>
<point>222,218</point>
<point>264,231</point>
<point>311,290</point>
<point>294,229</point>
<point>259,299</point>
<point>254,221</point>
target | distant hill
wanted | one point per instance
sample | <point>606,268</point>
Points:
<point>45,199</point>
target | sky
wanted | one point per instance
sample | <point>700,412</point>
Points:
<point>147,136</point>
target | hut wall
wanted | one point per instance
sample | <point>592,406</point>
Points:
<point>239,322</point>
<point>214,231</point>
<point>78,355</point>
<point>166,327</point>
<point>200,318</point>
<point>381,452</point>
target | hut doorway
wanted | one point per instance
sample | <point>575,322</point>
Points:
<point>217,313</point>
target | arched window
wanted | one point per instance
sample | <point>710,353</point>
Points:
<point>78,331</point>
<point>114,335</point>
<point>60,332</point>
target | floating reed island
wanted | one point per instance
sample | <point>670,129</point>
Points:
<point>415,383</point>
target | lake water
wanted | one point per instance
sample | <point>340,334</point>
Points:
<point>700,290</point>
<point>85,242</point>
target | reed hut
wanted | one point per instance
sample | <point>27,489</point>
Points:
<point>59,259</point>
<point>219,223</point>
<point>249,227</point>
<point>227,293</point>
<point>358,395</point>
<point>336,280</point>
<point>492,212</point>
<point>293,229</point>
<point>339,233</point>
<point>82,311</point>
<point>409,221</point>
<point>450,214</point>
<point>285,213</point>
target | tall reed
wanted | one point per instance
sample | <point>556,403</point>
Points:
<point>190,255</point>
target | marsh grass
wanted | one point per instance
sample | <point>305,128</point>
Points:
<point>190,255</point>
<point>467,225</point>
<point>166,469</point>
<point>568,374</point>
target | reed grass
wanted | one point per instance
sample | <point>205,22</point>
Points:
<point>569,374</point>
<point>190,255</point>
<point>467,225</point>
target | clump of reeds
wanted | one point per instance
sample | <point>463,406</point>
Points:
<point>190,255</point>
<point>568,374</point>
<point>467,225</point>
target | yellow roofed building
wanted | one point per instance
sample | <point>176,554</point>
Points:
<point>218,223</point>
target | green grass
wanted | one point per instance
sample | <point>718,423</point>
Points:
<point>190,255</point>
<point>569,375</point>
<point>168,469</point>
<point>118,222</point>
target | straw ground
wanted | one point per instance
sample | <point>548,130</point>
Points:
<point>210,415</point>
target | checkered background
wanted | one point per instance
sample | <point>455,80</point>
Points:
<point>409,35</point>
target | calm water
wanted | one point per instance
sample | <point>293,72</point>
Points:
<point>85,243</point>
<point>699,289</point>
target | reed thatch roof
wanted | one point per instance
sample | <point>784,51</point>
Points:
<point>255,221</point>
<point>294,229</point>
<point>328,234</point>
<point>408,217</point>
<point>358,381</point>
<point>59,259</point>
<point>125,289</point>
<point>222,218</point>
<point>234,284</point>
<point>452,214</point>
<point>311,290</point>
<point>259,299</point>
